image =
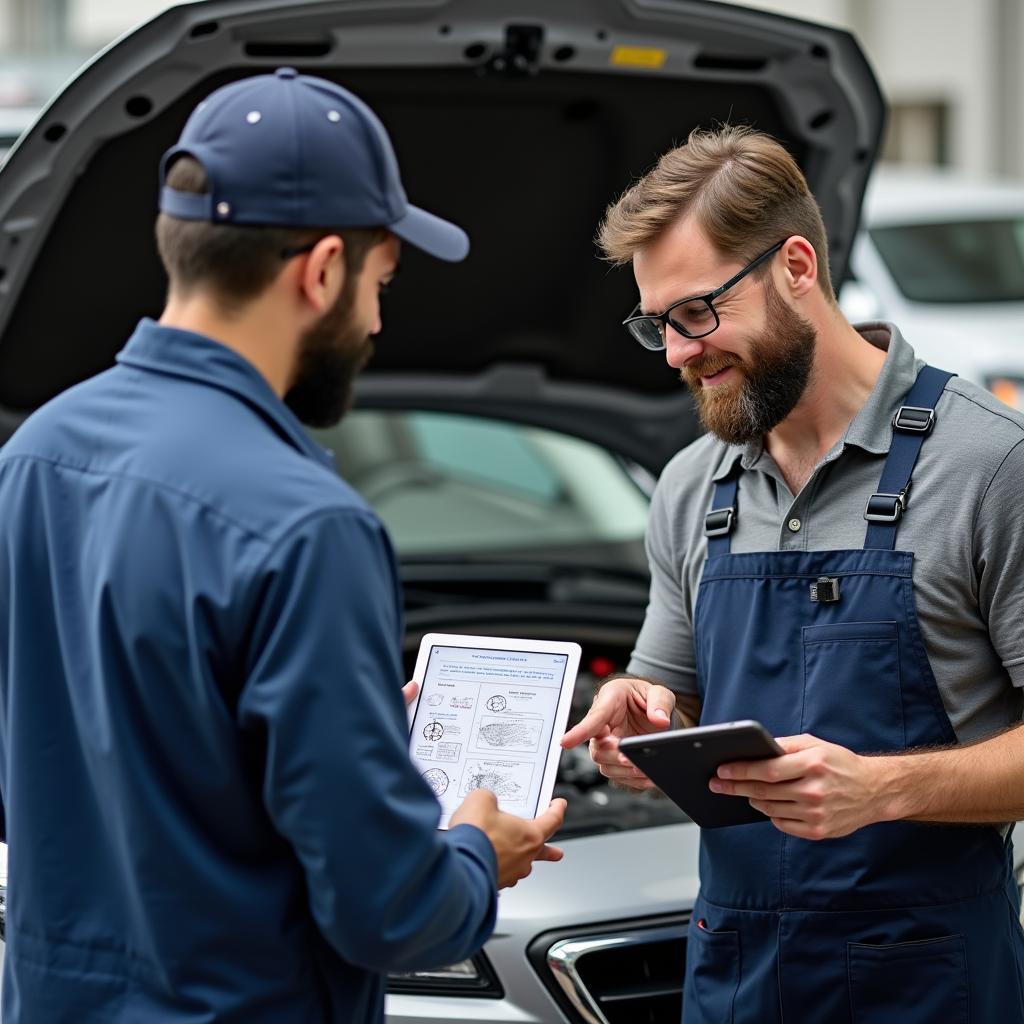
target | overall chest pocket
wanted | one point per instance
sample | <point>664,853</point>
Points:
<point>909,983</point>
<point>851,685</point>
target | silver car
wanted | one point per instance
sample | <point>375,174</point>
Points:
<point>507,431</point>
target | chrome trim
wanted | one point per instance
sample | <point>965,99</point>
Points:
<point>563,957</point>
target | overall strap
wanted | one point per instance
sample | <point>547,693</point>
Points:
<point>721,520</point>
<point>912,423</point>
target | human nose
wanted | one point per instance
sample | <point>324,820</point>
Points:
<point>680,349</point>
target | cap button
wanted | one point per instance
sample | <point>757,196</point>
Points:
<point>286,73</point>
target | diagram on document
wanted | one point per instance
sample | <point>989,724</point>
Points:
<point>511,734</point>
<point>485,722</point>
<point>437,780</point>
<point>509,781</point>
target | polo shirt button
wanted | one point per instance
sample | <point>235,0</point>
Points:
<point>794,525</point>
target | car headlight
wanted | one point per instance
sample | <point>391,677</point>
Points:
<point>472,977</point>
<point>1008,389</point>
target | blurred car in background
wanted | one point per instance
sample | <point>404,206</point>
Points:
<point>942,255</point>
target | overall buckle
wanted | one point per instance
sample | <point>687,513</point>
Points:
<point>912,419</point>
<point>719,522</point>
<point>886,508</point>
<point>825,590</point>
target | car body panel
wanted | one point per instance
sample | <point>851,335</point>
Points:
<point>603,879</point>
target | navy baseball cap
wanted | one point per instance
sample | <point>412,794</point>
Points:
<point>291,150</point>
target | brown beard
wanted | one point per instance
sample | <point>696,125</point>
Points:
<point>330,355</point>
<point>766,386</point>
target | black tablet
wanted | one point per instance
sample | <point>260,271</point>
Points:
<point>682,762</point>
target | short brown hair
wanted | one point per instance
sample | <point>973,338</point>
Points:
<point>744,188</point>
<point>236,263</point>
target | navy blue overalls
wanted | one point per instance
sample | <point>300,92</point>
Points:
<point>900,922</point>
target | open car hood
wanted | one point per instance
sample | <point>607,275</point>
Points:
<point>518,119</point>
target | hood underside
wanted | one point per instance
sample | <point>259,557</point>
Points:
<point>520,121</point>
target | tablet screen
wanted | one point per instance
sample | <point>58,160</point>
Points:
<point>485,720</point>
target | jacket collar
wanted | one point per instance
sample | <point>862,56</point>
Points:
<point>177,353</point>
<point>871,428</point>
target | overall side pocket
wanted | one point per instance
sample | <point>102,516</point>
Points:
<point>909,982</point>
<point>852,685</point>
<point>712,975</point>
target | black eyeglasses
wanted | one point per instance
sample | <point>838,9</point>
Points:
<point>695,317</point>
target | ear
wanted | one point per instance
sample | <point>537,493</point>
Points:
<point>799,265</point>
<point>323,275</point>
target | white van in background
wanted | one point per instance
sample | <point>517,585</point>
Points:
<point>942,256</point>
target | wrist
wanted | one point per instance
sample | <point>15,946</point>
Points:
<point>892,789</point>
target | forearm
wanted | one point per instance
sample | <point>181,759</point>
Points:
<point>977,782</point>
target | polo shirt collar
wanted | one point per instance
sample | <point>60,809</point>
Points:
<point>871,428</point>
<point>177,353</point>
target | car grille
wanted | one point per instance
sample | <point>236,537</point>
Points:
<point>626,974</point>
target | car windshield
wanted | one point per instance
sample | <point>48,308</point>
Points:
<point>506,529</point>
<point>463,485</point>
<point>958,261</point>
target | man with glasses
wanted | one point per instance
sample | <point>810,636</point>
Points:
<point>211,810</point>
<point>840,558</point>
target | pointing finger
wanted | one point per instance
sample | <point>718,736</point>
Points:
<point>594,723</point>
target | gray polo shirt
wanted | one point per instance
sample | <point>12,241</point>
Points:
<point>964,522</point>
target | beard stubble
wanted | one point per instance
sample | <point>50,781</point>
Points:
<point>768,383</point>
<point>329,357</point>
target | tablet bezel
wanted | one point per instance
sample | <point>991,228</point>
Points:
<point>573,653</point>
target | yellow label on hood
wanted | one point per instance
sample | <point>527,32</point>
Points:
<point>638,56</point>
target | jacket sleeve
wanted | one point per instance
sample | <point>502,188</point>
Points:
<point>323,694</point>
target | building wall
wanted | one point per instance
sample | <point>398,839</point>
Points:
<point>951,71</point>
<point>94,23</point>
<point>941,52</point>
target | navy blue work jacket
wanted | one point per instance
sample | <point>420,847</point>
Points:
<point>210,808</point>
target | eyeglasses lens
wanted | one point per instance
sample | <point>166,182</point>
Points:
<point>649,332</point>
<point>693,319</point>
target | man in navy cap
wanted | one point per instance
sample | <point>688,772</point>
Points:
<point>210,806</point>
